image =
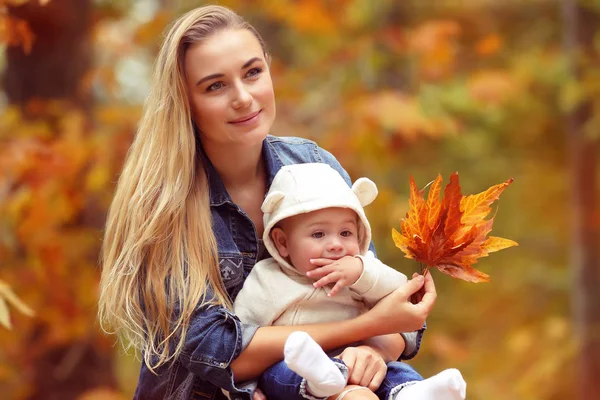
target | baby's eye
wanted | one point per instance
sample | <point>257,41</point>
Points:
<point>346,233</point>
<point>214,86</point>
<point>318,235</point>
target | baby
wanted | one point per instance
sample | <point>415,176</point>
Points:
<point>312,219</point>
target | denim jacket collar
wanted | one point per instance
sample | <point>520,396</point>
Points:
<point>218,192</point>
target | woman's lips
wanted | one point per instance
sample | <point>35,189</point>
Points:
<point>246,119</point>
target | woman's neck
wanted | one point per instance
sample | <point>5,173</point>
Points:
<point>237,166</point>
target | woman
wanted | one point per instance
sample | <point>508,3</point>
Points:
<point>182,231</point>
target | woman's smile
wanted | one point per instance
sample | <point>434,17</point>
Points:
<point>248,119</point>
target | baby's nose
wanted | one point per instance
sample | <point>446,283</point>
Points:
<point>335,245</point>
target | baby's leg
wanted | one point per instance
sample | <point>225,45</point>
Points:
<point>305,357</point>
<point>447,385</point>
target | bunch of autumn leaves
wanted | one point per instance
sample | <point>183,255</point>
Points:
<point>452,234</point>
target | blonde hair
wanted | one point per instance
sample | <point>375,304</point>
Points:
<point>159,255</point>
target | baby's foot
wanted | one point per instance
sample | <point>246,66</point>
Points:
<point>447,385</point>
<point>305,357</point>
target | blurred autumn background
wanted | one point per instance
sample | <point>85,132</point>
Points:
<point>491,89</point>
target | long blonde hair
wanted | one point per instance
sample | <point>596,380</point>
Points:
<point>159,254</point>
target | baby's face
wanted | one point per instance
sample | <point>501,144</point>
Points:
<point>328,233</point>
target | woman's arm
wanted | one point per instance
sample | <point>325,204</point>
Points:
<point>395,313</point>
<point>266,346</point>
<point>389,347</point>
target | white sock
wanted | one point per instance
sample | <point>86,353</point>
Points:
<point>447,385</point>
<point>305,357</point>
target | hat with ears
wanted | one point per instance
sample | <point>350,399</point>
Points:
<point>302,188</point>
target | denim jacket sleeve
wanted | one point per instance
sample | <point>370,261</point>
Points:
<point>214,339</point>
<point>412,339</point>
<point>413,343</point>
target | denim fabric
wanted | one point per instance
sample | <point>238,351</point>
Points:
<point>399,375</point>
<point>413,343</point>
<point>216,336</point>
<point>281,383</point>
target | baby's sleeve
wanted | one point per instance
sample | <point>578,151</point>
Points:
<point>377,280</point>
<point>254,304</point>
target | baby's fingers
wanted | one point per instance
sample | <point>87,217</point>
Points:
<point>320,272</point>
<point>339,285</point>
<point>327,279</point>
<point>321,261</point>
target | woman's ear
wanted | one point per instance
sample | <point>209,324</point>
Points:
<point>278,237</point>
<point>366,191</point>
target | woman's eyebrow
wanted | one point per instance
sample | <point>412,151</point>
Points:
<point>215,76</point>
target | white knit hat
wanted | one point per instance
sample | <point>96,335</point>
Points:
<point>302,188</point>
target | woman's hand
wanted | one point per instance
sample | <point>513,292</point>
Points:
<point>259,395</point>
<point>396,313</point>
<point>365,366</point>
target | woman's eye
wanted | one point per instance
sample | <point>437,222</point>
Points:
<point>253,72</point>
<point>214,86</point>
<point>318,235</point>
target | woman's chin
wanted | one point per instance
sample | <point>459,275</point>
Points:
<point>258,132</point>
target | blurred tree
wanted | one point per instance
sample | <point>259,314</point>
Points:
<point>581,26</point>
<point>62,353</point>
<point>60,57</point>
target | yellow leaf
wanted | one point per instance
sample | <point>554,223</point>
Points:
<point>434,43</point>
<point>97,179</point>
<point>311,16</point>
<point>477,206</point>
<point>399,113</point>
<point>16,32</point>
<point>4,314</point>
<point>7,294</point>
<point>489,45</point>
<point>572,93</point>
<point>492,86</point>
<point>494,243</point>
<point>103,393</point>
<point>401,242</point>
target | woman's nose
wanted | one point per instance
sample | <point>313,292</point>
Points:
<point>243,98</point>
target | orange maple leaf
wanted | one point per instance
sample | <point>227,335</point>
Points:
<point>450,235</point>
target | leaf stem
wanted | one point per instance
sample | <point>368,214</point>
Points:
<point>424,268</point>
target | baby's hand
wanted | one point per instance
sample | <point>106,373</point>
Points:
<point>344,272</point>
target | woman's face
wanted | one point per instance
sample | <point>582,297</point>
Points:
<point>230,88</point>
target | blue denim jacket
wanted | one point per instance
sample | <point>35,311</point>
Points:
<point>215,336</point>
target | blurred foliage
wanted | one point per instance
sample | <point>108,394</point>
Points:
<point>392,89</point>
